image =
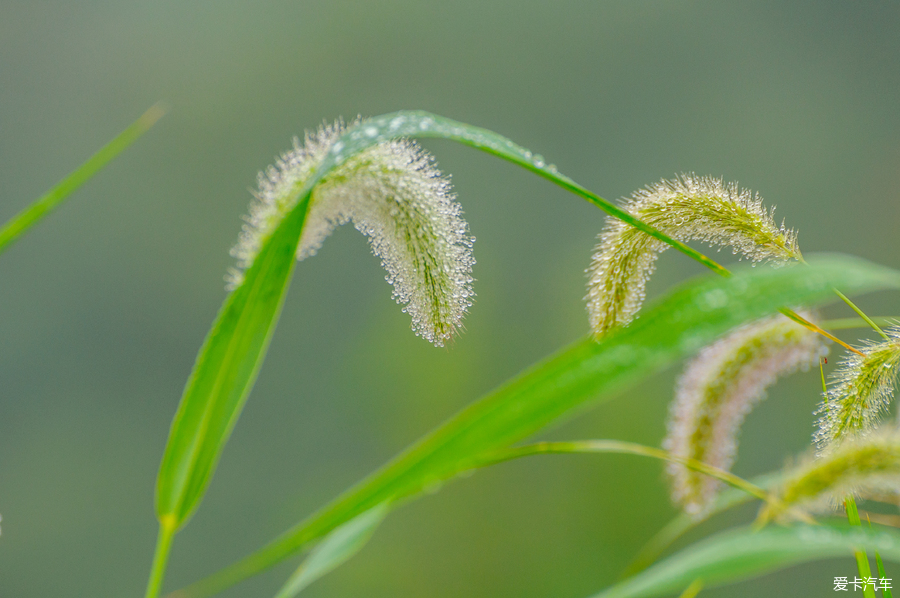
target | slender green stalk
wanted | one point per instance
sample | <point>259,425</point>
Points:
<point>807,324</point>
<point>660,541</point>
<point>160,558</point>
<point>847,323</point>
<point>42,206</point>
<point>862,561</point>
<point>881,573</point>
<point>822,374</point>
<point>630,448</point>
<point>862,315</point>
<point>815,328</point>
<point>692,590</point>
<point>878,562</point>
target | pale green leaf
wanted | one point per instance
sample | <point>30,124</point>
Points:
<point>337,547</point>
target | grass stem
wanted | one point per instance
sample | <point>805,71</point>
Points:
<point>846,323</point>
<point>862,315</point>
<point>862,560</point>
<point>631,448</point>
<point>160,558</point>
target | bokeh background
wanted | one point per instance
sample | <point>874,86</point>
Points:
<point>104,305</point>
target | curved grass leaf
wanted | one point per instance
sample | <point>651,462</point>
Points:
<point>585,372</point>
<point>622,447</point>
<point>229,360</point>
<point>742,554</point>
<point>43,205</point>
<point>418,123</point>
<point>337,547</point>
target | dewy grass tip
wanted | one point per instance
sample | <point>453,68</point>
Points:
<point>687,208</point>
<point>861,390</point>
<point>394,194</point>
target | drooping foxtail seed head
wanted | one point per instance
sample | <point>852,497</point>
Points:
<point>861,390</point>
<point>866,466</point>
<point>717,390</point>
<point>687,208</point>
<point>394,194</point>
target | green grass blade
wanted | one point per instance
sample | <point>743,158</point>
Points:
<point>585,372</point>
<point>418,123</point>
<point>862,559</point>
<point>223,375</point>
<point>883,575</point>
<point>235,347</point>
<point>743,554</point>
<point>42,206</point>
<point>337,547</point>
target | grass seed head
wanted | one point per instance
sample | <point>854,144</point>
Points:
<point>393,193</point>
<point>860,391</point>
<point>717,390</point>
<point>865,466</point>
<point>687,208</point>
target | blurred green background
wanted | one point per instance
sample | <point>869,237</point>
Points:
<point>104,306</point>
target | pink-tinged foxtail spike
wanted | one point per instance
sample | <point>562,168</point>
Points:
<point>717,390</point>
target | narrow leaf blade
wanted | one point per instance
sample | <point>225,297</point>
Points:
<point>745,553</point>
<point>338,546</point>
<point>883,575</point>
<point>45,204</point>
<point>223,376</point>
<point>418,123</point>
